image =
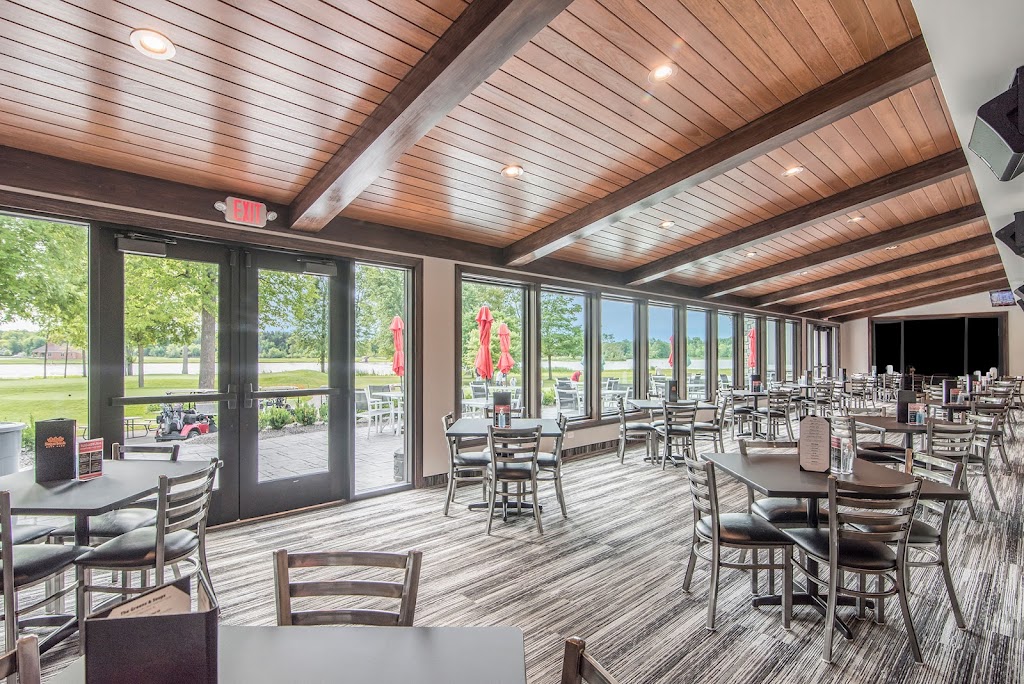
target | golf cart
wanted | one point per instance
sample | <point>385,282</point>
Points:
<point>176,423</point>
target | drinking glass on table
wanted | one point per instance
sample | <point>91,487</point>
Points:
<point>846,457</point>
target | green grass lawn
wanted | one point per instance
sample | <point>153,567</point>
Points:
<point>29,400</point>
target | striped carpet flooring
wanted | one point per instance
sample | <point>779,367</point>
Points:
<point>611,573</point>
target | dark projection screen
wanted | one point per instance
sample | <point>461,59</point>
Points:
<point>938,346</point>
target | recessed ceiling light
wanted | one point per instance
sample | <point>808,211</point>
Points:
<point>667,224</point>
<point>152,43</point>
<point>751,254</point>
<point>804,272</point>
<point>662,73</point>
<point>792,171</point>
<point>891,247</point>
<point>855,219</point>
<point>512,171</point>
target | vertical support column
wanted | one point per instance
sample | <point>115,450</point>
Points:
<point>106,334</point>
<point>341,375</point>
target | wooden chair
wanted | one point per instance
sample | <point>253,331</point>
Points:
<point>23,661</point>
<point>741,531</point>
<point>549,463</point>
<point>463,465</point>
<point>863,521</point>
<point>405,591</point>
<point>179,536</point>
<point>579,667</point>
<point>514,454</point>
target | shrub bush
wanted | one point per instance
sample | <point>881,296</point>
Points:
<point>28,435</point>
<point>547,397</point>
<point>275,418</point>
<point>305,412</point>
<point>323,412</point>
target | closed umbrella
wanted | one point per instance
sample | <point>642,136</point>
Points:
<point>505,360</point>
<point>752,343</point>
<point>398,362</point>
<point>484,366</point>
<point>671,350</point>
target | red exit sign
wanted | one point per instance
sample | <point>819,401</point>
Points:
<point>245,212</point>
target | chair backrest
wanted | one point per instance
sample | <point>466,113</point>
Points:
<point>377,389</point>
<point>679,413</point>
<point>823,391</point>
<point>845,427</point>
<point>724,381</point>
<point>749,446</point>
<point>703,492</point>
<point>478,389</point>
<point>23,661</point>
<point>858,384</point>
<point>405,591</point>
<point>568,400</point>
<point>620,407</point>
<point>938,470</point>
<point>362,400</point>
<point>120,452</point>
<point>985,427</point>
<point>870,513</point>
<point>183,503</point>
<point>579,667</point>
<point>951,442</point>
<point>509,446</point>
<point>780,399</point>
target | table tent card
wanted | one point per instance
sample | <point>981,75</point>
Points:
<point>904,398</point>
<point>502,409</point>
<point>673,390</point>
<point>56,455</point>
<point>90,459</point>
<point>815,446</point>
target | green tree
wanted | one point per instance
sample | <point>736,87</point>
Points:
<point>296,303</point>
<point>561,327</point>
<point>380,296</point>
<point>506,306</point>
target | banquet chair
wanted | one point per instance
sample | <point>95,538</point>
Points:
<point>1000,410</point>
<point>985,427</point>
<point>579,667</point>
<point>871,441</point>
<point>463,465</point>
<point>711,431</point>
<point>285,589</point>
<point>514,454</point>
<point>631,430</point>
<point>677,429</point>
<point>741,531</point>
<point>954,444</point>
<point>179,536</point>
<point>549,463</point>
<point>776,413</point>
<point>863,522</point>
<point>23,661</point>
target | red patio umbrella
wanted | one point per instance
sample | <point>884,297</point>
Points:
<point>671,350</point>
<point>484,366</point>
<point>505,360</point>
<point>398,362</point>
<point>752,343</point>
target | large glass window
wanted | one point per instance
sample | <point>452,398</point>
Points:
<point>618,351</point>
<point>697,357</point>
<point>381,368</point>
<point>726,336</point>
<point>498,306</point>
<point>660,356</point>
<point>43,325</point>
<point>771,360</point>
<point>792,353</point>
<point>751,362</point>
<point>562,343</point>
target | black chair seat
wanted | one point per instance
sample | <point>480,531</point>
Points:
<point>879,456</point>
<point>706,426</point>
<point>770,412</point>
<point>113,524</point>
<point>138,548</point>
<point>744,530</point>
<point>639,427</point>
<point>675,430</point>
<point>546,459</point>
<point>26,534</point>
<point>921,533</point>
<point>513,471</point>
<point>33,562</point>
<point>881,446</point>
<point>853,553</point>
<point>473,458</point>
<point>783,510</point>
<point>743,410</point>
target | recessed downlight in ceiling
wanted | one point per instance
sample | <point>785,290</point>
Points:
<point>512,171</point>
<point>152,43</point>
<point>666,224</point>
<point>661,73</point>
<point>792,171</point>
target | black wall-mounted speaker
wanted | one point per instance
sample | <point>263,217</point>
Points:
<point>1020,303</point>
<point>1012,234</point>
<point>998,135</point>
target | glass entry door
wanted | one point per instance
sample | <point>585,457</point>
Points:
<point>293,442</point>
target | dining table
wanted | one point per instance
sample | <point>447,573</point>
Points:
<point>367,655</point>
<point>909,430</point>
<point>778,474</point>
<point>656,404</point>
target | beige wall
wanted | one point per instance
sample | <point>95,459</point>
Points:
<point>854,334</point>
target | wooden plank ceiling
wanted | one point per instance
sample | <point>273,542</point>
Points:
<point>324,104</point>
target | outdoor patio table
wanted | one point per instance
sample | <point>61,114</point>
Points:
<point>394,401</point>
<point>369,655</point>
<point>779,475</point>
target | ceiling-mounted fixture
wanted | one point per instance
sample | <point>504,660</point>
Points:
<point>152,43</point>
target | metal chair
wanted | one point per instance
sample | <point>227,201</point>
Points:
<point>863,521</point>
<point>711,431</point>
<point>579,667</point>
<point>677,429</point>
<point>871,441</point>
<point>821,400</point>
<point>631,430</point>
<point>179,536</point>
<point>955,444</point>
<point>1000,410</point>
<point>549,463</point>
<point>463,466</point>
<point>568,401</point>
<point>405,591</point>
<point>741,531</point>
<point>513,461</point>
<point>780,404</point>
<point>985,429</point>
<point>23,661</point>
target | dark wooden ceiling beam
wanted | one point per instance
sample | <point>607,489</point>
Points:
<point>994,284</point>
<point>967,267</point>
<point>911,261</point>
<point>927,289</point>
<point>932,225</point>
<point>41,184</point>
<point>486,35</point>
<point>880,78</point>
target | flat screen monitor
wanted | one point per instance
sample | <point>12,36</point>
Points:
<point>1001,297</point>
